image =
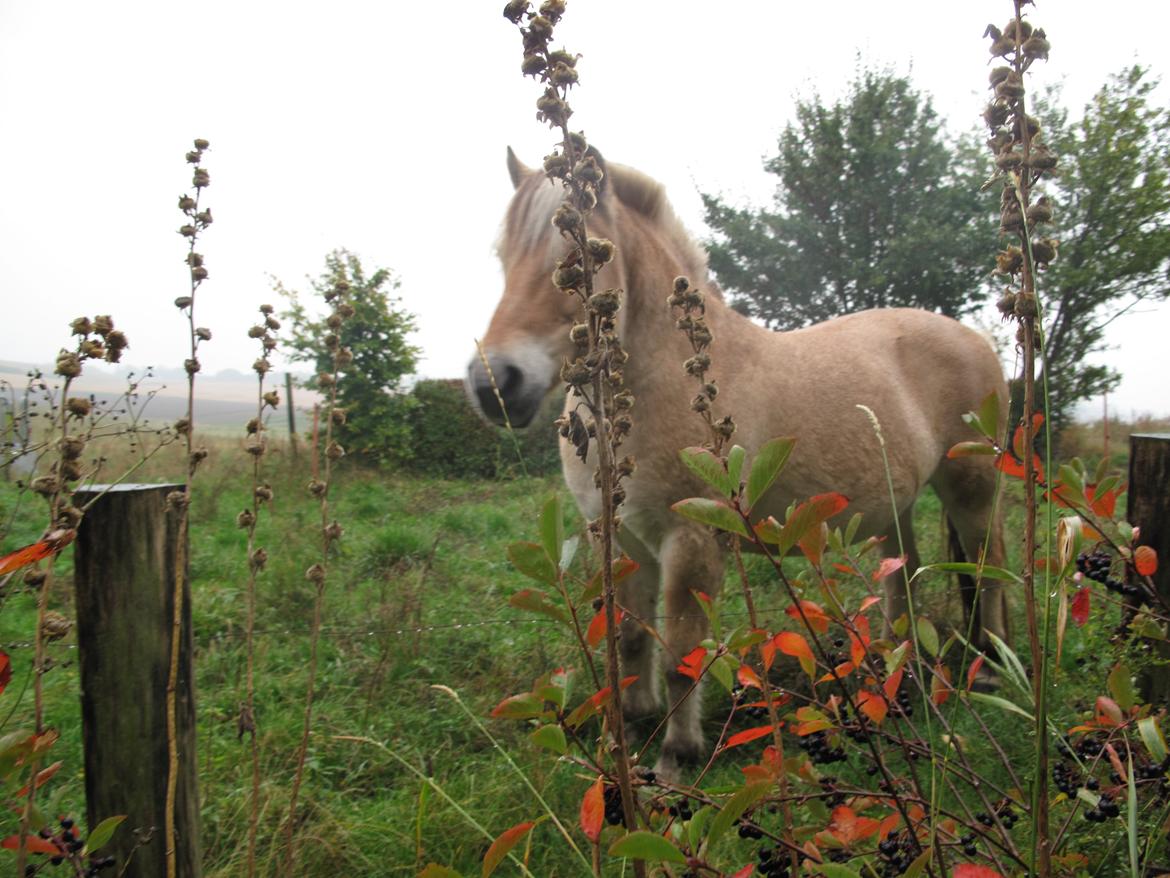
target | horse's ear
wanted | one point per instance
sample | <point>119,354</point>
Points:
<point>517,170</point>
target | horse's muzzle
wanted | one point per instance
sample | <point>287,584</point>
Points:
<point>521,396</point>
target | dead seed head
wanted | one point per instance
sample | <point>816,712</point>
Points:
<point>191,365</point>
<point>69,517</point>
<point>178,500</point>
<point>325,379</point>
<point>605,303</point>
<point>203,333</point>
<point>601,250</point>
<point>201,144</point>
<point>1026,305</point>
<point>194,156</point>
<point>258,558</point>
<point>334,451</point>
<point>69,470</point>
<point>260,366</point>
<point>182,426</point>
<point>337,416</point>
<point>271,399</point>
<point>68,365</point>
<point>266,309</point>
<point>81,326</point>
<point>315,574</point>
<point>186,203</point>
<point>35,578</point>
<point>71,447</point>
<point>532,65</point>
<point>183,302</point>
<point>256,331</point>
<point>245,519</point>
<point>567,219</point>
<point>78,406</point>
<point>515,10</point>
<point>263,493</point>
<point>317,488</point>
<point>54,626</point>
<point>343,358</point>
<point>197,457</point>
<point>579,333</point>
<point>187,230</point>
<point>1007,303</point>
<point>333,531</point>
<point>201,178</point>
<point>588,171</point>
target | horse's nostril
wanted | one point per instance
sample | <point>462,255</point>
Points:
<point>512,379</point>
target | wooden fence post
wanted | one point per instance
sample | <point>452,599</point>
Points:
<point>1148,507</point>
<point>292,414</point>
<point>124,578</point>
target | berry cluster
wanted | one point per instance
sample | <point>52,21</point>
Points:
<point>1105,809</point>
<point>1096,565</point>
<point>747,830</point>
<point>612,796</point>
<point>773,863</point>
<point>897,852</point>
<point>682,810</point>
<point>819,751</point>
<point>70,844</point>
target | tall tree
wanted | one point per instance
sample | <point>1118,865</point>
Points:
<point>1112,221</point>
<point>370,389</point>
<point>874,208</point>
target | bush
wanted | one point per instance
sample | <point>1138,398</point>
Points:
<point>450,440</point>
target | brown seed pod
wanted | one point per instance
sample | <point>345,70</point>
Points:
<point>54,626</point>
<point>71,447</point>
<point>271,398</point>
<point>260,366</point>
<point>1041,211</point>
<point>532,65</point>
<point>178,500</point>
<point>337,416</point>
<point>258,558</point>
<point>317,488</point>
<point>334,451</point>
<point>262,493</point>
<point>69,517</point>
<point>201,144</point>
<point>245,519</point>
<point>81,326</point>
<point>78,406</point>
<point>315,574</point>
<point>1044,251</point>
<point>191,365</point>
<point>1007,303</point>
<point>1026,305</point>
<point>998,75</point>
<point>68,365</point>
<point>1009,260</point>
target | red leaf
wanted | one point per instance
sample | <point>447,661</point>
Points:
<point>54,542</point>
<point>813,613</point>
<point>1079,609</point>
<point>890,687</point>
<point>888,566</point>
<point>5,670</point>
<point>940,684</point>
<point>747,735</point>
<point>768,653</point>
<point>43,777</point>
<point>593,811</point>
<point>973,669</point>
<point>970,870</point>
<point>1108,713</point>
<point>33,844</point>
<point>748,677</point>
<point>847,827</point>
<point>791,643</point>
<point>504,843</point>
<point>692,663</point>
<point>1018,437</point>
<point>1145,559</point>
<point>859,642</point>
<point>596,632</point>
<point>873,706</point>
<point>746,872</point>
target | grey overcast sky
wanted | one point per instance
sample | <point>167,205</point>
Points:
<point>381,127</point>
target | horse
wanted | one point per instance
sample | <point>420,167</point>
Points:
<point>918,372</point>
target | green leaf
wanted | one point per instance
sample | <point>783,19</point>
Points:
<point>1131,817</point>
<point>533,561</point>
<point>927,635</point>
<point>734,808</point>
<point>552,528</point>
<point>989,414</point>
<point>550,737</point>
<point>538,602</point>
<point>919,865</point>
<point>1152,737</point>
<point>715,513</point>
<point>735,458</point>
<point>707,467</point>
<point>1071,479</point>
<point>970,569</point>
<point>722,669</point>
<point>1120,685</point>
<point>101,834</point>
<point>697,826</point>
<point>766,466</point>
<point>642,845</point>
<point>1001,703</point>
<point>569,551</point>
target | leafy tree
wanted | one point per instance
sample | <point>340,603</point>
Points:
<point>370,391</point>
<point>1112,221</point>
<point>874,208</point>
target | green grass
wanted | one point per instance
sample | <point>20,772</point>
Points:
<point>398,621</point>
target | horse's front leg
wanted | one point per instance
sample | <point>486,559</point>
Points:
<point>691,561</point>
<point>900,596</point>
<point>637,594</point>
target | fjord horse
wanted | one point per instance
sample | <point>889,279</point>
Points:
<point>919,372</point>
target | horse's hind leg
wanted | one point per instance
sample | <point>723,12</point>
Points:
<point>967,488</point>
<point>899,601</point>
<point>691,561</point>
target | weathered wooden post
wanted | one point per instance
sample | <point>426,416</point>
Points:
<point>1148,507</point>
<point>125,575</point>
<point>292,415</point>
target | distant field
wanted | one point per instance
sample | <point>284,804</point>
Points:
<point>223,401</point>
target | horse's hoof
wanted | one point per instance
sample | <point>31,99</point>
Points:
<point>985,680</point>
<point>673,761</point>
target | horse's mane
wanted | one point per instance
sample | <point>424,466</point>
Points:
<point>527,223</point>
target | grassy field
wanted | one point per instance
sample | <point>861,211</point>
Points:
<point>417,597</point>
